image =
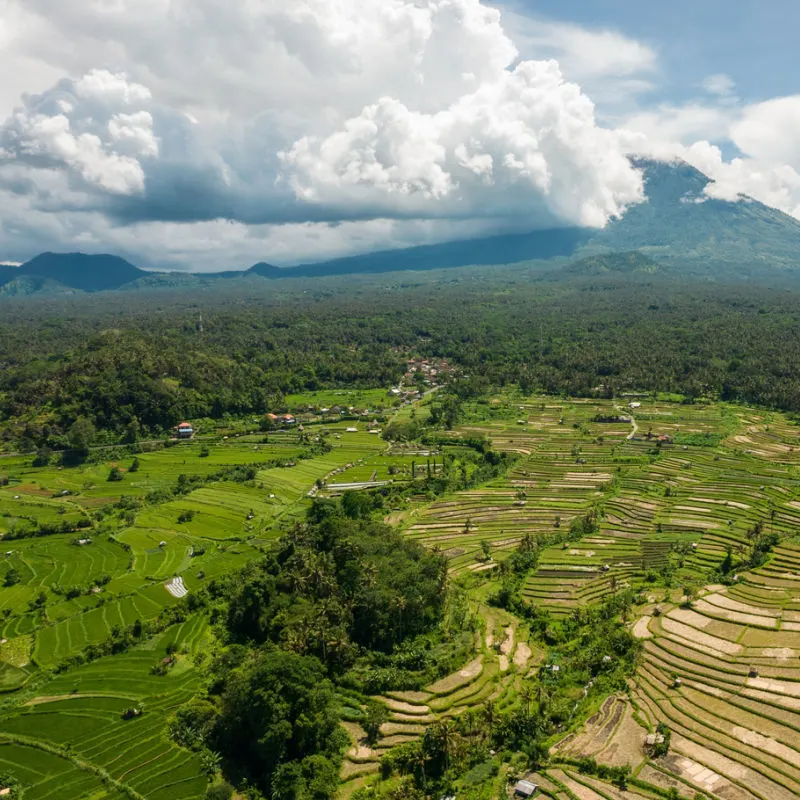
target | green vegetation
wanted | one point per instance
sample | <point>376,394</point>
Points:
<point>481,549</point>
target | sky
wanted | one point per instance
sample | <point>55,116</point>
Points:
<point>211,134</point>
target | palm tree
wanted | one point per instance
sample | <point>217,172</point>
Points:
<point>526,695</point>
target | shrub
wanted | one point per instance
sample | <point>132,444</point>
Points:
<point>221,791</point>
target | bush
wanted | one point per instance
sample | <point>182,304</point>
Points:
<point>222,791</point>
<point>115,475</point>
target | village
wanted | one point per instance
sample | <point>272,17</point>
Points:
<point>421,376</point>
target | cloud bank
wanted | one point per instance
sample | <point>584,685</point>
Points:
<point>209,134</point>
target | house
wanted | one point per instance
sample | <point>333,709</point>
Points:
<point>272,417</point>
<point>634,405</point>
<point>184,430</point>
<point>652,739</point>
<point>525,789</point>
<point>288,419</point>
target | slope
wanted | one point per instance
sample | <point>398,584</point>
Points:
<point>89,273</point>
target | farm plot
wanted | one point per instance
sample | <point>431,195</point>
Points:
<point>197,537</point>
<point>489,676</point>
<point>47,776</point>
<point>723,677</point>
<point>85,710</point>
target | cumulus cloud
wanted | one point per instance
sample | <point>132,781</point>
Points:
<point>300,130</point>
<point>313,111</point>
<point>94,128</point>
<point>528,136</point>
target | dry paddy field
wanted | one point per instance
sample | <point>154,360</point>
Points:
<point>724,676</point>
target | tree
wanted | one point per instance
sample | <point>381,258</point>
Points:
<point>134,467</point>
<point>12,577</point>
<point>376,715</point>
<point>486,548</point>
<point>80,436</point>
<point>277,709</point>
<point>43,455</point>
<point>131,432</point>
<point>115,475</point>
<point>219,791</point>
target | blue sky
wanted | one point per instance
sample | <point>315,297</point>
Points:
<point>753,41</point>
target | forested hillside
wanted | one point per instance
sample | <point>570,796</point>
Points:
<point>137,362</point>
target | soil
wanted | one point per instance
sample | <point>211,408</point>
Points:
<point>641,629</point>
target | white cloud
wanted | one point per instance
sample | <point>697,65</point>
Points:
<point>312,111</point>
<point>215,132</point>
<point>76,127</point>
<point>527,137</point>
<point>720,85</point>
<point>613,69</point>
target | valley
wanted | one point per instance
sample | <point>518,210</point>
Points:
<point>650,512</point>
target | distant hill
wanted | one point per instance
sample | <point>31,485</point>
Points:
<point>27,285</point>
<point>7,273</point>
<point>88,273</point>
<point>613,263</point>
<point>265,270</point>
<point>508,249</point>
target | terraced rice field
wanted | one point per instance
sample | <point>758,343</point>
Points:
<point>724,676</point>
<point>702,496</point>
<point>490,675</point>
<point>58,596</point>
<point>82,713</point>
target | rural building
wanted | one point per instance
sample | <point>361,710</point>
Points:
<point>652,739</point>
<point>525,789</point>
<point>288,419</point>
<point>184,430</point>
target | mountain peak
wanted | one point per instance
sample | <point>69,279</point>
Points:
<point>89,273</point>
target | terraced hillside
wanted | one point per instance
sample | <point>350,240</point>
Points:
<point>612,494</point>
<point>662,479</point>
<point>723,676</point>
<point>88,562</point>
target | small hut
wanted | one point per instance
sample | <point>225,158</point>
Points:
<point>525,789</point>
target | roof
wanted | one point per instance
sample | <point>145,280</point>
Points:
<point>525,788</point>
<point>184,425</point>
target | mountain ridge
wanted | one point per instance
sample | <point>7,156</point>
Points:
<point>678,227</point>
